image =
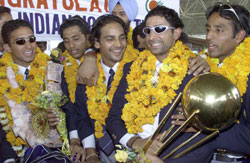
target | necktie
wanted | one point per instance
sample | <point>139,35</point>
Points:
<point>26,73</point>
<point>111,78</point>
<point>105,143</point>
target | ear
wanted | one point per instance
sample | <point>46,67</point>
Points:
<point>240,36</point>
<point>97,44</point>
<point>7,48</point>
<point>177,33</point>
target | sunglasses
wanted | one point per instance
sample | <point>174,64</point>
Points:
<point>22,41</point>
<point>157,29</point>
<point>228,7</point>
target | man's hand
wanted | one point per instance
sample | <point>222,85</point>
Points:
<point>91,156</point>
<point>53,118</point>
<point>179,119</point>
<point>87,70</point>
<point>198,65</point>
<point>156,144</point>
<point>76,149</point>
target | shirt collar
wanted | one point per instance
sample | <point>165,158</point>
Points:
<point>22,69</point>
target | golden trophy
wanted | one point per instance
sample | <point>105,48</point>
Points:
<point>211,103</point>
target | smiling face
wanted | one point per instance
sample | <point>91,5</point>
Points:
<point>220,37</point>
<point>160,43</point>
<point>112,43</point>
<point>22,54</point>
<point>75,41</point>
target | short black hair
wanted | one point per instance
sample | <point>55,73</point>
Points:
<point>11,26</point>
<point>101,22</point>
<point>75,21</point>
<point>240,20</point>
<point>4,9</point>
<point>138,31</point>
<point>169,14</point>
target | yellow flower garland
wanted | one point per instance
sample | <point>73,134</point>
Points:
<point>147,95</point>
<point>236,67</point>
<point>70,70</point>
<point>98,107</point>
<point>26,92</point>
<point>129,36</point>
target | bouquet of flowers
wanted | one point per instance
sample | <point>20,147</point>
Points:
<point>48,99</point>
<point>124,155</point>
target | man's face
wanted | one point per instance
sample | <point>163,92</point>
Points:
<point>4,18</point>
<point>119,11</point>
<point>75,41</point>
<point>24,54</point>
<point>112,43</point>
<point>160,43</point>
<point>220,38</point>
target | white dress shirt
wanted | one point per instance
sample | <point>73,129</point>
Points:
<point>148,129</point>
<point>22,70</point>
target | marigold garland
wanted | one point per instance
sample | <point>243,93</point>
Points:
<point>129,36</point>
<point>147,95</point>
<point>98,107</point>
<point>70,70</point>
<point>26,92</point>
<point>236,67</point>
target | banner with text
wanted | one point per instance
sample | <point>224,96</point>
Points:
<point>45,16</point>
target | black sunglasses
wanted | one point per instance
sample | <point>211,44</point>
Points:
<point>22,41</point>
<point>157,29</point>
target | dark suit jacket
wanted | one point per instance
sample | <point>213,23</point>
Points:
<point>74,115</point>
<point>87,126</point>
<point>237,138</point>
<point>117,127</point>
<point>6,151</point>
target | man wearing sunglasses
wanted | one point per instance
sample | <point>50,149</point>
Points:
<point>227,28</point>
<point>142,97</point>
<point>23,71</point>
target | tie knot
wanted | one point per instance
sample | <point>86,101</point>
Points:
<point>111,72</point>
<point>26,73</point>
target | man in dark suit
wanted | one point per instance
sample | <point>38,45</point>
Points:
<point>75,33</point>
<point>232,22</point>
<point>142,100</point>
<point>227,28</point>
<point>7,154</point>
<point>108,36</point>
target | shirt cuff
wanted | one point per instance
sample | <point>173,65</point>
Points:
<point>89,142</point>
<point>73,134</point>
<point>124,140</point>
<point>9,160</point>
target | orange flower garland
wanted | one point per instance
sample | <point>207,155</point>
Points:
<point>147,94</point>
<point>70,70</point>
<point>98,107</point>
<point>236,67</point>
<point>26,92</point>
